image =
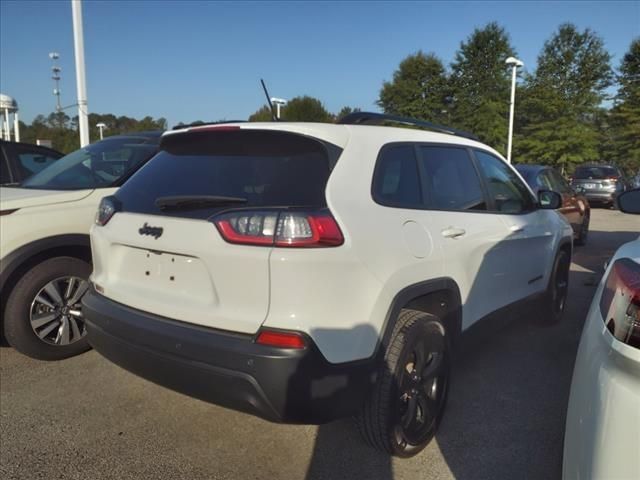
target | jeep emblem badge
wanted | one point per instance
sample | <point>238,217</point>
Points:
<point>155,232</point>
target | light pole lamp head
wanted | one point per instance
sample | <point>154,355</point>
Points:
<point>278,101</point>
<point>101,125</point>
<point>54,55</point>
<point>514,62</point>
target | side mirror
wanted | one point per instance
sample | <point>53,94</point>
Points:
<point>629,201</point>
<point>549,200</point>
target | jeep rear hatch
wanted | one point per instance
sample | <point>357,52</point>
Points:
<point>194,228</point>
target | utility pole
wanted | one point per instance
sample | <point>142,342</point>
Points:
<point>78,43</point>
<point>514,63</point>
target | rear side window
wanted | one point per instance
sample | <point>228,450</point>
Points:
<point>265,168</point>
<point>450,179</point>
<point>597,173</point>
<point>396,182</point>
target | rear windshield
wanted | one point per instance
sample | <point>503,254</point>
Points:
<point>265,168</point>
<point>597,173</point>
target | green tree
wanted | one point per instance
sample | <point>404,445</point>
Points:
<point>298,109</point>
<point>419,89</point>
<point>344,111</point>
<point>625,115</point>
<point>481,85</point>
<point>560,115</point>
<point>305,109</point>
<point>263,114</point>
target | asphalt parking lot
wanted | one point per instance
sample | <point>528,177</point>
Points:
<point>85,418</point>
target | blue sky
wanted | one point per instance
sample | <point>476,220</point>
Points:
<point>202,60</point>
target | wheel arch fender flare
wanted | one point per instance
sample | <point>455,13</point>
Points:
<point>439,296</point>
<point>14,260</point>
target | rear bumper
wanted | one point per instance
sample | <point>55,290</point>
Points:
<point>600,197</point>
<point>231,370</point>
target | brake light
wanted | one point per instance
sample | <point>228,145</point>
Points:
<point>217,128</point>
<point>275,338</point>
<point>279,228</point>
<point>620,302</point>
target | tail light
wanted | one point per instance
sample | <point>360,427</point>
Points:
<point>279,228</point>
<point>281,339</point>
<point>620,301</point>
<point>107,208</point>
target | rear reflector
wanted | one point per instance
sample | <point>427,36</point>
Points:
<point>620,302</point>
<point>280,228</point>
<point>279,339</point>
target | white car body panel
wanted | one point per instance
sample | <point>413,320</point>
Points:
<point>12,197</point>
<point>45,213</point>
<point>215,284</point>
<point>339,296</point>
<point>602,436</point>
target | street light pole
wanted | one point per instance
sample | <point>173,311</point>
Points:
<point>279,102</point>
<point>78,43</point>
<point>515,63</point>
<point>101,126</point>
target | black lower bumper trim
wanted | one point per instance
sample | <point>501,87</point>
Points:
<point>231,370</point>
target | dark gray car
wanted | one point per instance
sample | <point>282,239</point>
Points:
<point>601,184</point>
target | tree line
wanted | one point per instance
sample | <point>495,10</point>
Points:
<point>62,130</point>
<point>565,115</point>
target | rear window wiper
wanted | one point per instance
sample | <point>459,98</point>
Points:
<point>186,202</point>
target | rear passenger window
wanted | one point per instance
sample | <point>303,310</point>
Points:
<point>450,179</point>
<point>396,181</point>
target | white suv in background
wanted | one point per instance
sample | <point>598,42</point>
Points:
<point>45,257</point>
<point>304,272</point>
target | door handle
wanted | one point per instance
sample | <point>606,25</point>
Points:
<point>453,232</point>
<point>517,229</point>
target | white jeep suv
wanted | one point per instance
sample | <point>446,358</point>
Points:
<point>303,272</point>
<point>45,256</point>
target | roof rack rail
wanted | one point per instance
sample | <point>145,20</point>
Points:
<point>370,118</point>
<point>197,124</point>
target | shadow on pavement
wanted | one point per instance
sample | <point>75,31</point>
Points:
<point>507,405</point>
<point>340,448</point>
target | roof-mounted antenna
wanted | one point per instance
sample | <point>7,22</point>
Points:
<point>273,113</point>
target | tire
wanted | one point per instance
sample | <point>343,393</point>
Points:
<point>44,301</point>
<point>386,421</point>
<point>584,232</point>
<point>555,298</point>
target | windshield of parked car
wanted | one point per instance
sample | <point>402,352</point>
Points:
<point>98,165</point>
<point>597,173</point>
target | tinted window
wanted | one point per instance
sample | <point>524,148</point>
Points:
<point>30,161</point>
<point>5,177</point>
<point>268,169</point>
<point>396,182</point>
<point>559,184</point>
<point>507,191</point>
<point>450,179</point>
<point>597,173</point>
<point>100,164</point>
<point>544,181</point>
